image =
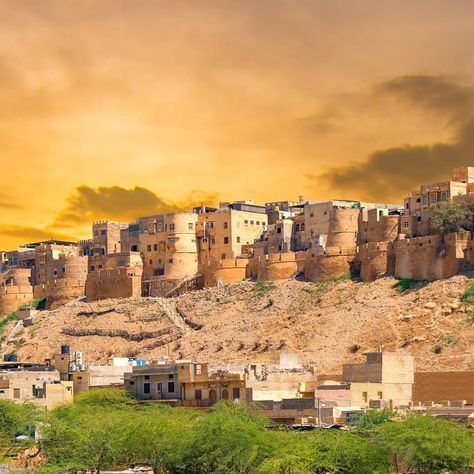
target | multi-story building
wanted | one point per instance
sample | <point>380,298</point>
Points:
<point>416,219</point>
<point>385,379</point>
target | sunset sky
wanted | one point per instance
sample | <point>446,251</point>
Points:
<point>111,109</point>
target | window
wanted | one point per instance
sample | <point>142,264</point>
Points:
<point>148,248</point>
<point>146,388</point>
<point>198,394</point>
<point>238,240</point>
<point>226,225</point>
<point>406,224</point>
<point>425,199</point>
<point>302,227</point>
<point>170,260</point>
<point>155,247</point>
<point>211,225</point>
<point>190,226</point>
<point>379,395</point>
<point>226,240</point>
<point>170,376</point>
<point>213,240</point>
<point>235,393</point>
<point>223,256</point>
<point>92,268</point>
<point>257,222</point>
<point>16,393</point>
<point>444,196</point>
<point>172,227</point>
<point>170,387</point>
<point>150,261</point>
<point>311,215</point>
<point>131,382</point>
<point>434,198</point>
<point>159,227</point>
<point>246,222</point>
<point>121,263</point>
<point>418,199</point>
<point>198,369</point>
<point>418,218</point>
<point>134,248</point>
<point>278,230</point>
<point>297,227</point>
<point>407,205</point>
<point>103,232</point>
<point>158,271</point>
<point>147,377</point>
<point>55,273</point>
<point>364,396</point>
<point>251,222</point>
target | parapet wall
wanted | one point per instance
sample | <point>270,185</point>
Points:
<point>276,266</point>
<point>224,272</point>
<point>376,259</point>
<point>327,264</point>
<point>59,292</point>
<point>15,289</point>
<point>114,283</point>
<point>430,257</point>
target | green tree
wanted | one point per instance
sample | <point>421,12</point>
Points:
<point>230,439</point>
<point>456,216</point>
<point>16,419</point>
<point>158,437</point>
<point>426,445</point>
<point>89,434</point>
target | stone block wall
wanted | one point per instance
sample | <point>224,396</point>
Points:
<point>430,257</point>
<point>15,289</point>
<point>375,259</point>
<point>119,282</point>
<point>329,263</point>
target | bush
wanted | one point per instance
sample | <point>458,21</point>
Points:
<point>468,295</point>
<point>404,284</point>
<point>424,444</point>
<point>4,321</point>
<point>261,288</point>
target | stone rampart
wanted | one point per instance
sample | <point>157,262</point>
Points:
<point>119,282</point>
<point>375,259</point>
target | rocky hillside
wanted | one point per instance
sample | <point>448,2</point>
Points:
<point>326,324</point>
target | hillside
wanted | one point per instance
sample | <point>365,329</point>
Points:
<point>326,324</point>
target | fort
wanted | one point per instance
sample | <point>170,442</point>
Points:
<point>167,254</point>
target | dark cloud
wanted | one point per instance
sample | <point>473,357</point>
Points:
<point>392,173</point>
<point>87,204</point>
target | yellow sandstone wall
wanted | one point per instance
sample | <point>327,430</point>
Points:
<point>430,257</point>
<point>375,259</point>
<point>15,289</point>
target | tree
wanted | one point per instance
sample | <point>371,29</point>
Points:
<point>456,216</point>
<point>16,419</point>
<point>230,439</point>
<point>158,437</point>
<point>88,435</point>
<point>425,444</point>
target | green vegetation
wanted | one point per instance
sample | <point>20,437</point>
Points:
<point>470,317</point>
<point>404,284</point>
<point>106,429</point>
<point>261,288</point>
<point>5,320</point>
<point>468,295</point>
<point>16,420</point>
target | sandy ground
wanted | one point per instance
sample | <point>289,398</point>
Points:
<point>322,323</point>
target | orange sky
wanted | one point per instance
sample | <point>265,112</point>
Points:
<point>116,108</point>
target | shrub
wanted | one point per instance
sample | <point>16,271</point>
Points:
<point>261,288</point>
<point>404,284</point>
<point>468,295</point>
<point>470,317</point>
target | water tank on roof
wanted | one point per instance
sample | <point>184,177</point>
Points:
<point>64,349</point>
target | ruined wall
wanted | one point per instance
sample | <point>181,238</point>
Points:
<point>375,259</point>
<point>430,257</point>
<point>15,289</point>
